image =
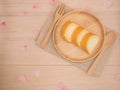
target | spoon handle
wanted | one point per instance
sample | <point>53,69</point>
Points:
<point>94,64</point>
<point>109,39</point>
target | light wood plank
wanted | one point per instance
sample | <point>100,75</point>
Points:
<point>13,7</point>
<point>51,76</point>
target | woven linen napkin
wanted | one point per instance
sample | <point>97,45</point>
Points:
<point>50,47</point>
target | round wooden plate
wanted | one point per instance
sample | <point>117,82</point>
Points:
<point>70,51</point>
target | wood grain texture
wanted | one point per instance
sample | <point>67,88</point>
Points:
<point>21,31</point>
<point>51,76</point>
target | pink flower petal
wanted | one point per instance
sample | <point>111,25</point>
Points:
<point>117,77</point>
<point>36,32</point>
<point>89,9</point>
<point>38,88</point>
<point>108,4</point>
<point>21,79</point>
<point>62,86</point>
<point>36,72</point>
<point>36,6</point>
<point>24,47</point>
<point>53,2</point>
<point>22,13</point>
<point>3,24</point>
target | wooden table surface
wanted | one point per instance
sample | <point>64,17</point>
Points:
<point>24,66</point>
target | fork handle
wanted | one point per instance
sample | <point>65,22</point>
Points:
<point>47,36</point>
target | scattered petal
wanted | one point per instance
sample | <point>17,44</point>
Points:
<point>36,72</point>
<point>36,32</point>
<point>53,2</point>
<point>21,79</point>
<point>108,3</point>
<point>62,86</point>
<point>117,77</point>
<point>36,6</point>
<point>38,88</point>
<point>24,47</point>
<point>3,24</point>
<point>89,9</point>
<point>22,13</point>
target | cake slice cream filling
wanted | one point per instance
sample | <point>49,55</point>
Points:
<point>80,37</point>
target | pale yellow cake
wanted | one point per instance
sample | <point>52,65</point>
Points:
<point>79,36</point>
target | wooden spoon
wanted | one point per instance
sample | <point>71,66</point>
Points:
<point>109,40</point>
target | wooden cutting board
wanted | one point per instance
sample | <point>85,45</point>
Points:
<point>68,50</point>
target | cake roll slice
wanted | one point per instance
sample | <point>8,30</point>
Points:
<point>89,42</point>
<point>68,29</point>
<point>80,36</point>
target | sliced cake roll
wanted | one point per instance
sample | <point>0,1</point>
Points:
<point>68,29</point>
<point>79,36</point>
<point>89,42</point>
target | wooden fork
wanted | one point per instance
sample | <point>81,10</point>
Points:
<point>58,14</point>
